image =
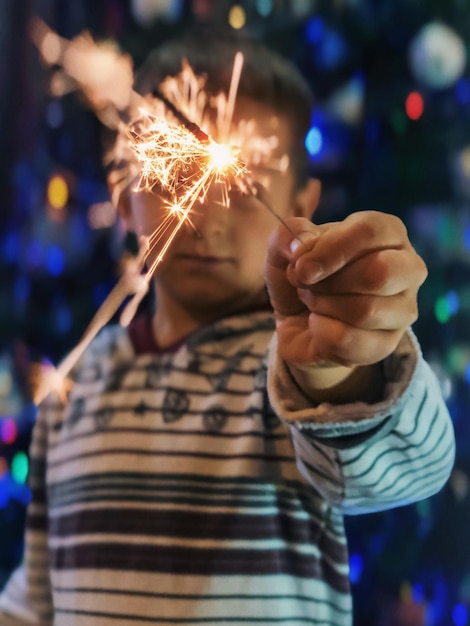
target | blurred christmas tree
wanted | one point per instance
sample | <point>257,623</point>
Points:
<point>390,131</point>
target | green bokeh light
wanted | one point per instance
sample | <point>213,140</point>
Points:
<point>19,467</point>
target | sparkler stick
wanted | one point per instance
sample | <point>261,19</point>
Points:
<point>191,126</point>
<point>260,195</point>
<point>132,282</point>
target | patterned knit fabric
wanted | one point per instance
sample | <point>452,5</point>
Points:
<point>168,491</point>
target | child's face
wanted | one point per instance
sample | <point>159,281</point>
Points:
<point>216,265</point>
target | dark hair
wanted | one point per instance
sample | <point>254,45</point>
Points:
<point>267,77</point>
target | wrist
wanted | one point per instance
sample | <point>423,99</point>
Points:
<point>338,384</point>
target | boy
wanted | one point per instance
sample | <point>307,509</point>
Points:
<point>201,468</point>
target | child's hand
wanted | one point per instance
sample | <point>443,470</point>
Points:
<point>347,293</point>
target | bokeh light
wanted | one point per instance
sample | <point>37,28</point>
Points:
<point>414,105</point>
<point>57,192</point>
<point>264,7</point>
<point>8,430</point>
<point>356,566</point>
<point>20,467</point>
<point>314,141</point>
<point>460,615</point>
<point>237,17</point>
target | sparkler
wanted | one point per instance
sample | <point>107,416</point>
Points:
<point>165,148</point>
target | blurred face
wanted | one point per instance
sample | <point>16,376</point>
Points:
<point>215,264</point>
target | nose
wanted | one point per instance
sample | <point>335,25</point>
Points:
<point>211,217</point>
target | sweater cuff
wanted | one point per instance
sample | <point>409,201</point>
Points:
<point>325,419</point>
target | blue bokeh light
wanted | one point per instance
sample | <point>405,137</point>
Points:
<point>314,30</point>
<point>467,373</point>
<point>466,237</point>
<point>55,261</point>
<point>314,141</point>
<point>332,50</point>
<point>10,489</point>
<point>356,565</point>
<point>453,302</point>
<point>462,91</point>
<point>460,615</point>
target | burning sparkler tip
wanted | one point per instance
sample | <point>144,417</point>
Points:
<point>198,132</point>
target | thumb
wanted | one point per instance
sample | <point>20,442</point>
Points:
<point>281,247</point>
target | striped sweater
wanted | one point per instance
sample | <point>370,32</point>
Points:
<point>198,485</point>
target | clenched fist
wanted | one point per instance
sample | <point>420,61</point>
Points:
<point>344,293</point>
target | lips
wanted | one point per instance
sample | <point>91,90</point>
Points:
<point>208,259</point>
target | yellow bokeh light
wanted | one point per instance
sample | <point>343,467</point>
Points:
<point>57,192</point>
<point>237,17</point>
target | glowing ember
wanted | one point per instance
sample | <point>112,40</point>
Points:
<point>221,156</point>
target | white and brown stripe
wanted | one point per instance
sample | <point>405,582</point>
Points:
<point>169,492</point>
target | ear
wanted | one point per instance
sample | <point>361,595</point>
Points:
<point>120,197</point>
<point>307,198</point>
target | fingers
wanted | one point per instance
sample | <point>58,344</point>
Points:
<point>295,231</point>
<point>382,273</point>
<point>366,312</point>
<point>361,234</point>
<point>337,342</point>
<point>347,291</point>
<point>282,292</point>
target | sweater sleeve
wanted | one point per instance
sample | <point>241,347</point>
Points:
<point>370,457</point>
<point>26,598</point>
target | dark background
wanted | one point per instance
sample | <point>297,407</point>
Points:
<point>372,147</point>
